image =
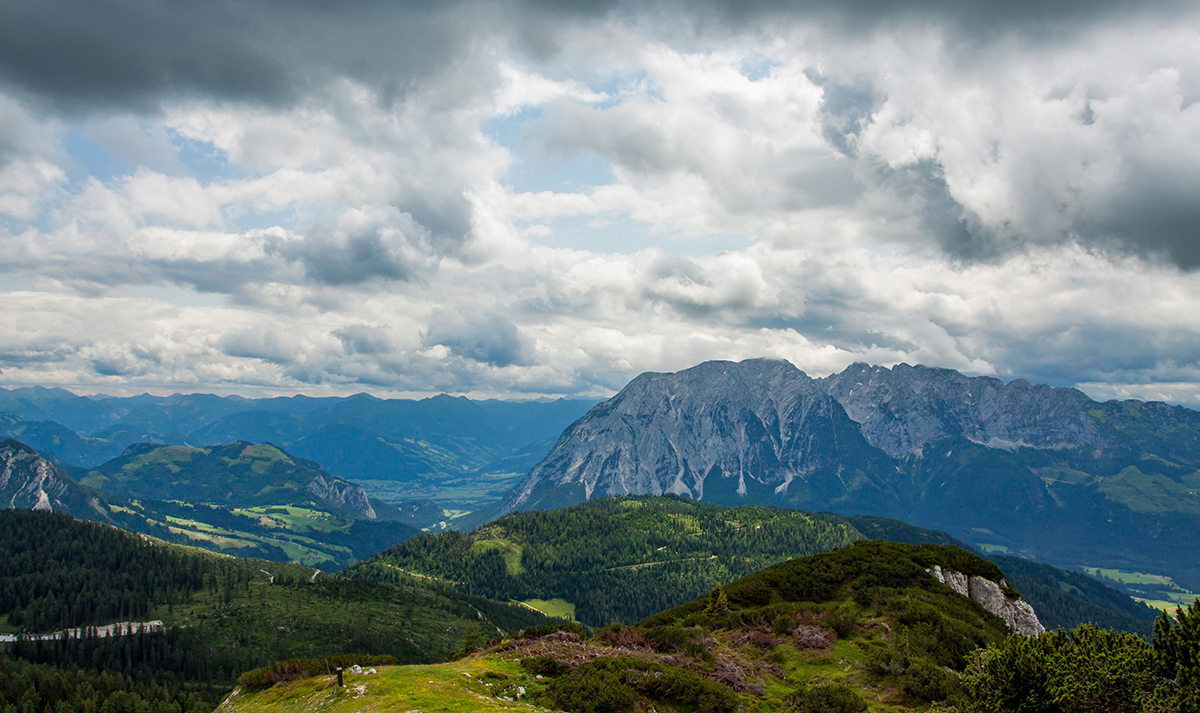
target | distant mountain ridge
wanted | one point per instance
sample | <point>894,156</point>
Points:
<point>402,449</point>
<point>1012,467</point>
<point>238,474</point>
<point>240,498</point>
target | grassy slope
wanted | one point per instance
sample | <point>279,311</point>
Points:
<point>457,687</point>
<point>895,623</point>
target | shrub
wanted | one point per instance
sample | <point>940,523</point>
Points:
<point>621,636</point>
<point>592,689</point>
<point>827,698</point>
<point>925,680</point>
<point>843,623</point>
<point>811,636</point>
<point>544,666</point>
<point>295,669</point>
<point>611,685</point>
<point>884,662</point>
<point>667,639</point>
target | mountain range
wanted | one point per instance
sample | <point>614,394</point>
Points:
<point>238,498</point>
<point>1010,467</point>
<point>460,452</point>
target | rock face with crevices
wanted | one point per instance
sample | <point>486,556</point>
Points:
<point>754,431</point>
<point>29,481</point>
<point>1016,613</point>
<point>903,408</point>
<point>343,493</point>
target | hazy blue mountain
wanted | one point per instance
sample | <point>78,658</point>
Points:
<point>83,414</point>
<point>67,445</point>
<point>358,437</point>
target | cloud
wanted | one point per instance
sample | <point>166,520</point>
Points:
<point>364,339</point>
<point>268,343</point>
<point>502,197</point>
<point>481,337</point>
<point>361,246</point>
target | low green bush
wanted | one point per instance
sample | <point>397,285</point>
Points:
<point>543,666</point>
<point>592,689</point>
<point>295,669</point>
<point>612,685</point>
<point>827,698</point>
<point>884,661</point>
<point>931,682</point>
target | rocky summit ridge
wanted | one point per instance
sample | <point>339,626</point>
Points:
<point>903,408</point>
<point>720,432</point>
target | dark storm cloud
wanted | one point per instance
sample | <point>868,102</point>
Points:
<point>976,17</point>
<point>128,52</point>
<point>486,338</point>
<point>1159,215</point>
<point>131,52</point>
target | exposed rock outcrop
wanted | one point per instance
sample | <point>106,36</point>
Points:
<point>1016,613</point>
<point>343,493</point>
<point>29,481</point>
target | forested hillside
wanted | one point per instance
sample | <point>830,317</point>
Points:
<point>223,615</point>
<point>50,579</point>
<point>621,559</point>
<point>613,559</point>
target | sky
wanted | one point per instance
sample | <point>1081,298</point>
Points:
<point>520,199</point>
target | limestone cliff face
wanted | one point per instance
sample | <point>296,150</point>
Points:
<point>1016,613</point>
<point>903,408</point>
<point>343,493</point>
<point>29,481</point>
<point>721,432</point>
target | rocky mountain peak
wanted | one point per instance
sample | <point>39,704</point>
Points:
<point>29,481</point>
<point>720,431</point>
<point>905,407</point>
